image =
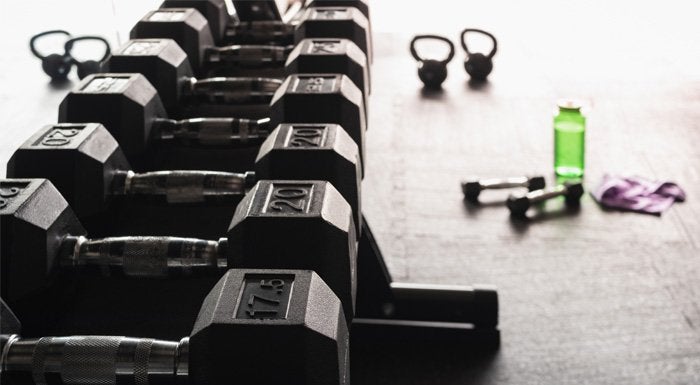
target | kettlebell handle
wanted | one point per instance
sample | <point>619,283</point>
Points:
<point>68,46</point>
<point>414,52</point>
<point>463,40</point>
<point>32,41</point>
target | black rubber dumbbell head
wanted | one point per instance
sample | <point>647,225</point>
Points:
<point>326,152</point>
<point>166,67</point>
<point>283,326</point>
<point>126,104</point>
<point>345,22</point>
<point>184,25</point>
<point>330,55</point>
<point>34,219</point>
<point>213,10</point>
<point>471,189</point>
<point>290,224</point>
<point>276,219</point>
<point>321,98</point>
<point>574,192</point>
<point>362,5</point>
<point>518,204</point>
<point>79,159</point>
<point>250,321</point>
<point>161,61</point>
<point>536,183</point>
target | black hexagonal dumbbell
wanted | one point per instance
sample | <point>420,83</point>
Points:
<point>474,186</point>
<point>87,166</point>
<point>279,224</point>
<point>166,67</point>
<point>250,320</point>
<point>269,29</point>
<point>191,31</point>
<point>256,21</point>
<point>518,204</point>
<point>129,107</point>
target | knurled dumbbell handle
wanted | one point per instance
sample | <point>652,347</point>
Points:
<point>94,360</point>
<point>233,90</point>
<point>547,193</point>
<point>183,186</point>
<point>247,54</point>
<point>144,256</point>
<point>212,131</point>
<point>502,183</point>
<point>260,29</point>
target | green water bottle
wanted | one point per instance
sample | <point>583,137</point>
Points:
<point>569,140</point>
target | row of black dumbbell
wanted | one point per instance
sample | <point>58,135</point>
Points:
<point>269,293</point>
<point>276,223</point>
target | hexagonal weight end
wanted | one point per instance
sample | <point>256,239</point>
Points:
<point>362,5</point>
<point>338,22</point>
<point>270,326</point>
<point>184,25</point>
<point>330,55</point>
<point>536,183</point>
<point>161,61</point>
<point>321,98</point>
<point>34,219</point>
<point>518,204</point>
<point>574,192</point>
<point>79,159</point>
<point>297,225</point>
<point>328,151</point>
<point>471,189</point>
<point>126,104</point>
<point>213,10</point>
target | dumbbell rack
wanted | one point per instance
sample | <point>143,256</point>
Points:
<point>390,310</point>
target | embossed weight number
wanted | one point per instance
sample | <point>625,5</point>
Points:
<point>5,194</point>
<point>324,47</point>
<point>315,84</point>
<point>59,137</point>
<point>306,137</point>
<point>276,287</point>
<point>292,198</point>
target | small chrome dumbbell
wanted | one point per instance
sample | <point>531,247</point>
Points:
<point>473,187</point>
<point>518,204</point>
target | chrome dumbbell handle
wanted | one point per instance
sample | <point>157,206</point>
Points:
<point>95,360</point>
<point>232,90</point>
<point>260,30</point>
<point>518,204</point>
<point>496,183</point>
<point>473,187</point>
<point>212,131</point>
<point>144,256</point>
<point>542,195</point>
<point>248,55</point>
<point>183,186</point>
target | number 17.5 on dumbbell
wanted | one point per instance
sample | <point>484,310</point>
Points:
<point>254,327</point>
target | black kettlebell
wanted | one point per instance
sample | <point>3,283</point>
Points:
<point>432,72</point>
<point>56,65</point>
<point>87,67</point>
<point>478,65</point>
